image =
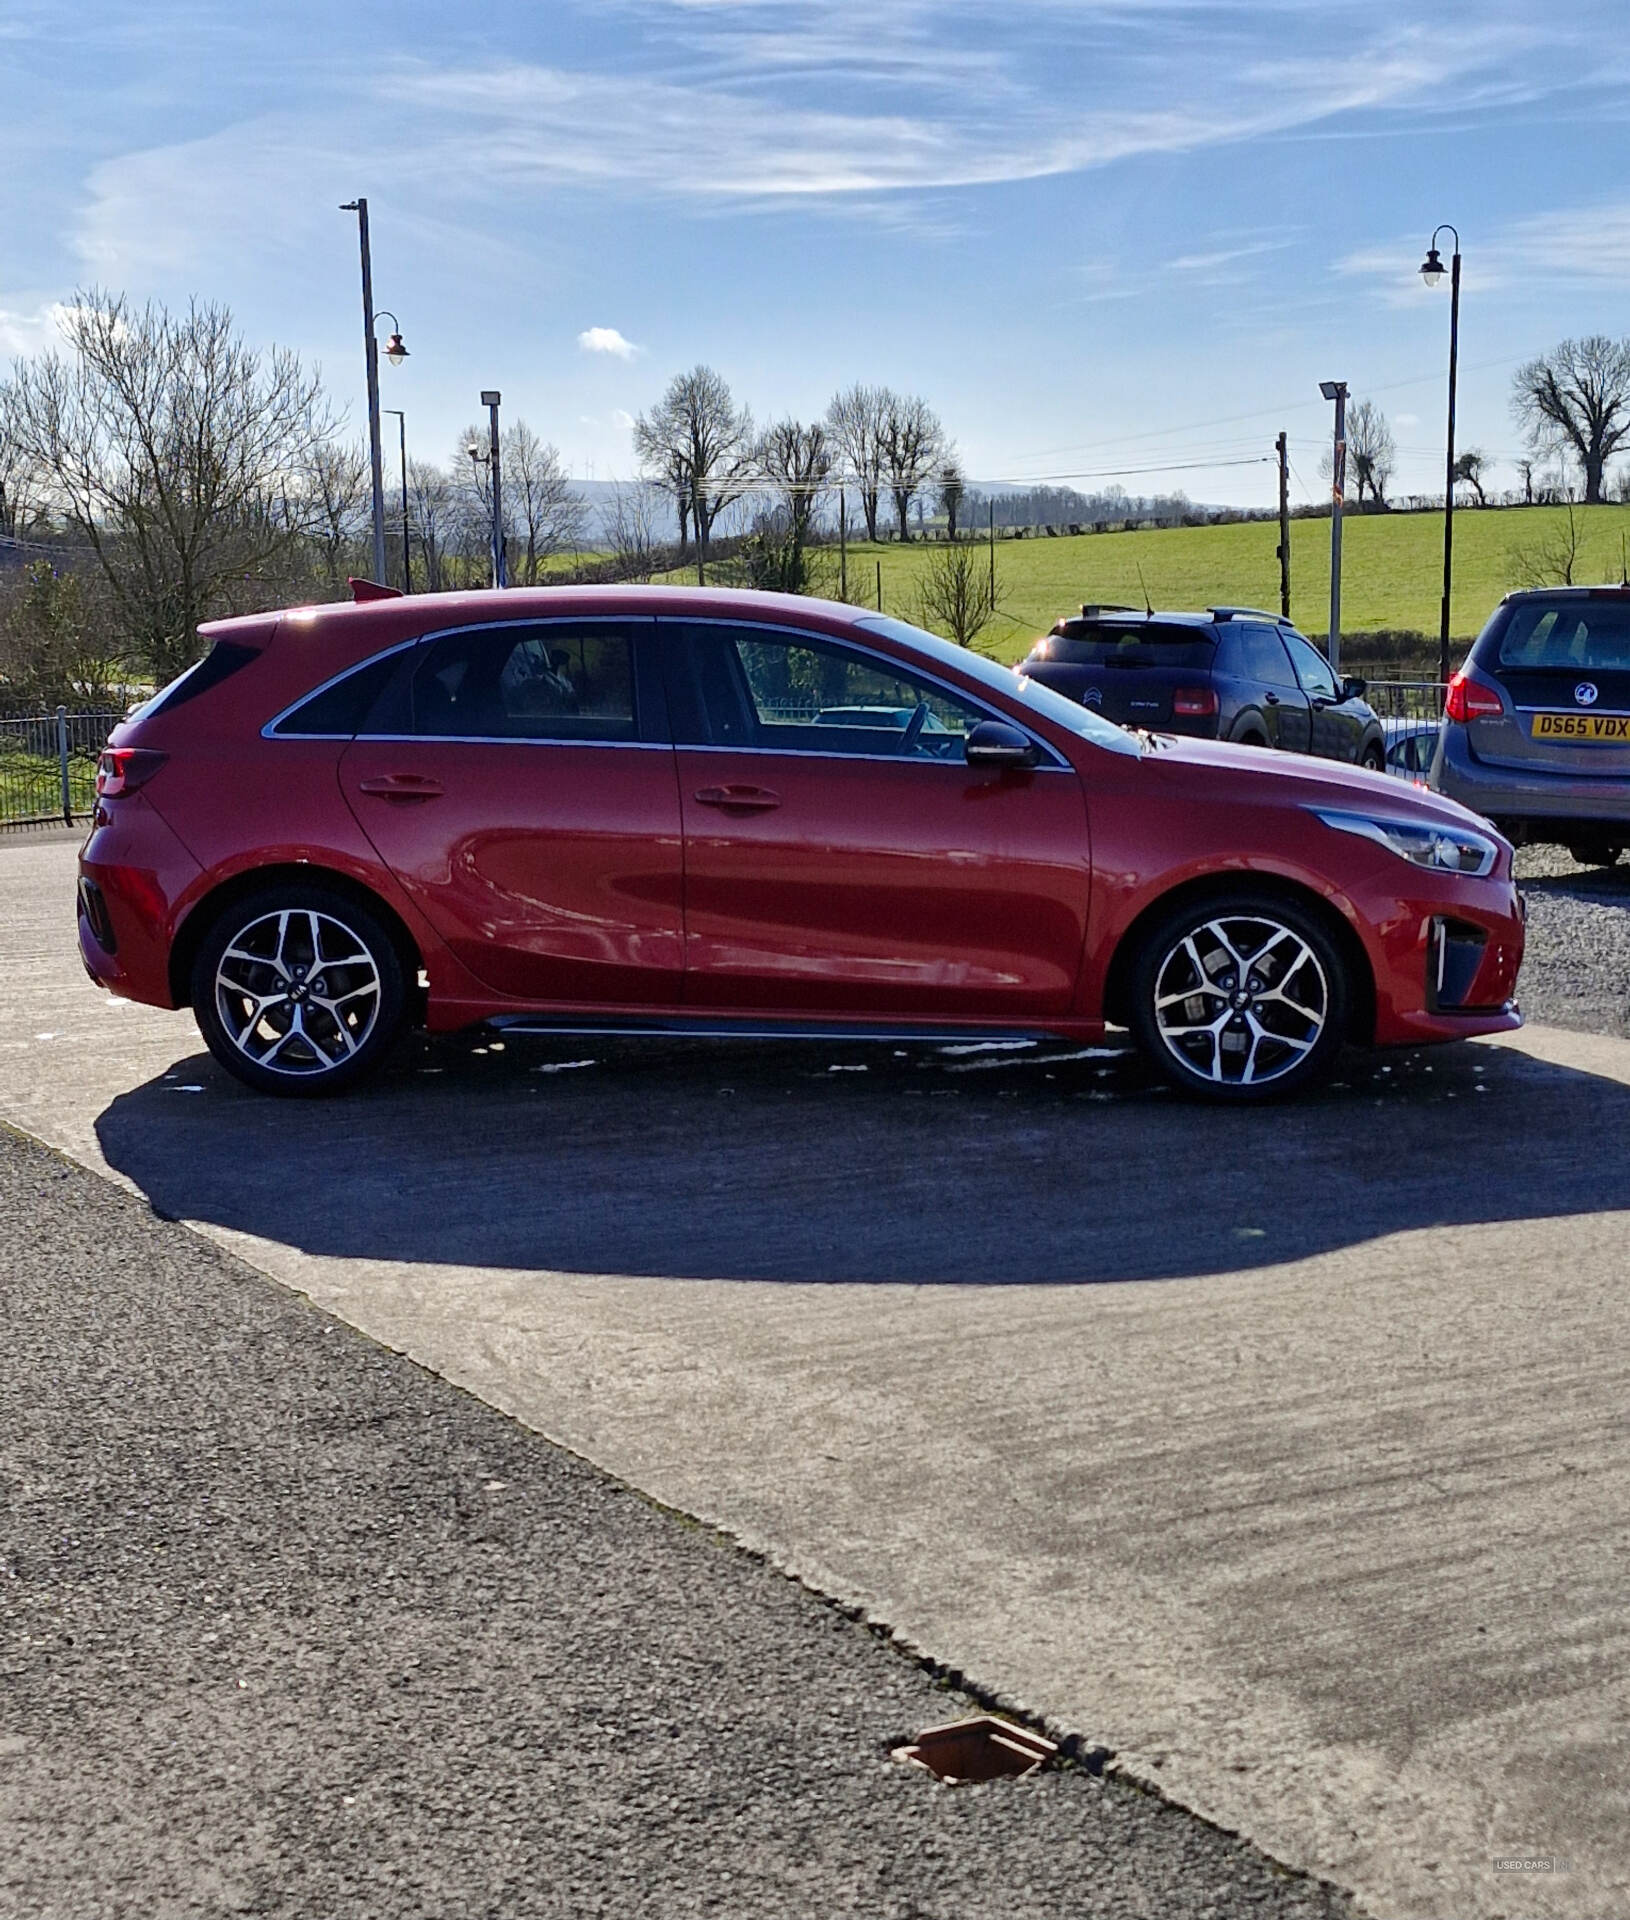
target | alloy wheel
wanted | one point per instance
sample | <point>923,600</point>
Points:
<point>297,992</point>
<point>1241,1000</point>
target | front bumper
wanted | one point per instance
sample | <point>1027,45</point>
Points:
<point>1445,955</point>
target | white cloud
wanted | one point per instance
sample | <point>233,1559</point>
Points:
<point>28,330</point>
<point>606,340</point>
<point>1574,245</point>
<point>623,421</point>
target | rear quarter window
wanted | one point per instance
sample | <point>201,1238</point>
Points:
<point>338,710</point>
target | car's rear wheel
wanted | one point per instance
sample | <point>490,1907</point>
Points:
<point>1241,997</point>
<point>1592,850</point>
<point>298,989</point>
<point>1374,757</point>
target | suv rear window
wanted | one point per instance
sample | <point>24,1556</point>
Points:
<point>1576,636</point>
<point>1103,644</point>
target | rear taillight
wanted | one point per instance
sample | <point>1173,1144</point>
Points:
<point>1195,703</point>
<point>122,770</point>
<point>1471,700</point>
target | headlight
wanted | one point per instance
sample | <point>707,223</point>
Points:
<point>1444,849</point>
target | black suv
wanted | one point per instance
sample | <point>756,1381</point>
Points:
<point>1230,673</point>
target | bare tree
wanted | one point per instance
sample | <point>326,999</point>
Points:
<point>549,517</point>
<point>433,510</point>
<point>1576,399</point>
<point>854,422</point>
<point>169,447</point>
<point>698,440</point>
<point>1548,562</point>
<point>912,443</point>
<point>1470,467</point>
<point>338,498</point>
<point>1526,469</point>
<point>1372,450</point>
<point>957,593</point>
<point>797,461</point>
<point>628,525</point>
<point>952,489</point>
<point>19,489</point>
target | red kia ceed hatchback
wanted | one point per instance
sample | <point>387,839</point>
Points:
<point>673,811</point>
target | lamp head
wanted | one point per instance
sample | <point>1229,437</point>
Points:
<point>395,352</point>
<point>1432,267</point>
<point>1332,389</point>
<point>490,398</point>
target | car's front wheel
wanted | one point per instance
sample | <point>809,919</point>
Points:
<point>1241,997</point>
<point>1374,758</point>
<point>298,989</point>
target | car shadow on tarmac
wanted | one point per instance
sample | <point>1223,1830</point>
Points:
<point>821,1163</point>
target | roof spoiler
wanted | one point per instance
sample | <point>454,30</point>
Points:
<point>371,590</point>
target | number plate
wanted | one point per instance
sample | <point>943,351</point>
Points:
<point>1602,729</point>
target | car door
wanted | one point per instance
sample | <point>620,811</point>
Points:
<point>840,853</point>
<point>1278,694</point>
<point>1337,724</point>
<point>520,785</point>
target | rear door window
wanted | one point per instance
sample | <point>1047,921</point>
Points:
<point>554,681</point>
<point>1264,658</point>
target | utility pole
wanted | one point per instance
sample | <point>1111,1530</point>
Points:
<point>1336,390</point>
<point>500,568</point>
<point>880,586</point>
<point>376,459</point>
<point>843,543</point>
<point>991,505</point>
<point>407,564</point>
<point>1283,446</point>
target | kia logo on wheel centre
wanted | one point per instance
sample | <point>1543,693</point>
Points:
<point>1585,693</point>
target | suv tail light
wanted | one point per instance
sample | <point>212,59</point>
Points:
<point>122,770</point>
<point>1470,700</point>
<point>1195,703</point>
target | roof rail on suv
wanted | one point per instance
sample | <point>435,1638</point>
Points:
<point>1247,613</point>
<point>1094,609</point>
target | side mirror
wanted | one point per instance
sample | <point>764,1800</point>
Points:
<point>1354,689</point>
<point>993,743</point>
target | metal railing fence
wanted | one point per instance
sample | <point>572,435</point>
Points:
<point>48,765</point>
<point>1418,701</point>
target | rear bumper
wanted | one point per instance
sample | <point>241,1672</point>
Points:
<point>140,872</point>
<point>1516,793</point>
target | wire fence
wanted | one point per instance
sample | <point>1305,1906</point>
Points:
<point>48,765</point>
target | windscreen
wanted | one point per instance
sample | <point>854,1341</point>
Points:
<point>1575,636</point>
<point>1135,645</point>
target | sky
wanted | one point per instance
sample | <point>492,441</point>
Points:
<point>1110,241</point>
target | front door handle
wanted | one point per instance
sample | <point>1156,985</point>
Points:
<point>401,786</point>
<point>738,799</point>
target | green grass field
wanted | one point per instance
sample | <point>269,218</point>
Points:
<point>1392,571</point>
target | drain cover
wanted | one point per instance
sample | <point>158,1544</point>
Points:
<point>981,1749</point>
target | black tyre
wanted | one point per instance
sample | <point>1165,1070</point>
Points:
<point>1242,997</point>
<point>298,989</point>
<point>1374,757</point>
<point>1595,851</point>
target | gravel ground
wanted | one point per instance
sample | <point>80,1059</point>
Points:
<point>290,1626</point>
<point>1577,969</point>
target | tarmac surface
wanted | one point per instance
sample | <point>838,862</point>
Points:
<point>1282,1454</point>
<point>293,1627</point>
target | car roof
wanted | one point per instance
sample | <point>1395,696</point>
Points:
<point>1608,590</point>
<point>1107,615</point>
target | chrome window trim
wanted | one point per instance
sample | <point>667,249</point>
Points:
<point>503,740</point>
<point>269,731</point>
<point>1055,762</point>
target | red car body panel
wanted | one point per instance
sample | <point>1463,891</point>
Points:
<point>883,887</point>
<point>590,879</point>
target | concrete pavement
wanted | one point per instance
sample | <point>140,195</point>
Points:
<point>1316,1517</point>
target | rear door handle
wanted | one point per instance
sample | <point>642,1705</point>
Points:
<point>1271,698</point>
<point>738,799</point>
<point>401,786</point>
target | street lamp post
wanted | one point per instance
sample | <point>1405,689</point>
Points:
<point>500,568</point>
<point>1432,273</point>
<point>407,569</point>
<point>396,353</point>
<point>1336,390</point>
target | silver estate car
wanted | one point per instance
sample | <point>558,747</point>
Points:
<point>1536,727</point>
